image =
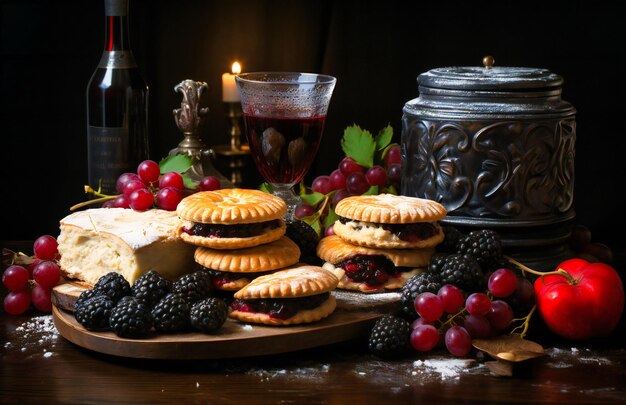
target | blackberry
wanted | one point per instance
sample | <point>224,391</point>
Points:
<point>451,239</point>
<point>461,271</point>
<point>171,314</point>
<point>193,286</point>
<point>306,238</point>
<point>130,318</point>
<point>94,313</point>
<point>114,285</point>
<point>484,245</point>
<point>390,337</point>
<point>150,288</point>
<point>209,314</point>
<point>419,283</point>
<point>84,296</point>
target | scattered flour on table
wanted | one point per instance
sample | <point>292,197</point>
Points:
<point>566,358</point>
<point>311,373</point>
<point>446,368</point>
<point>36,332</point>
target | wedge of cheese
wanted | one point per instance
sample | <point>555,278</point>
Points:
<point>98,241</point>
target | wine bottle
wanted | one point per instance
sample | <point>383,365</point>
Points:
<point>117,106</point>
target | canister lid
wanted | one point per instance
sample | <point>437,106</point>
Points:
<point>490,78</point>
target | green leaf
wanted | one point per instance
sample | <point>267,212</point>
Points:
<point>314,222</point>
<point>373,190</point>
<point>359,145</point>
<point>384,137</point>
<point>188,182</point>
<point>392,190</point>
<point>330,218</point>
<point>176,163</point>
<point>267,187</point>
<point>312,198</point>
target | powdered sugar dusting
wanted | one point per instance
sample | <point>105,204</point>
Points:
<point>446,368</point>
<point>38,331</point>
<point>564,358</point>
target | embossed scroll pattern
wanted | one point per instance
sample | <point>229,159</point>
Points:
<point>508,169</point>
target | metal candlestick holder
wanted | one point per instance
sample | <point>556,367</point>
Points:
<point>189,119</point>
<point>236,151</point>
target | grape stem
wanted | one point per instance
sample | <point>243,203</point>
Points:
<point>525,323</point>
<point>97,193</point>
<point>571,280</point>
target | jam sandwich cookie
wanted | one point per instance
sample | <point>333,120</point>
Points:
<point>367,269</point>
<point>389,221</point>
<point>233,269</point>
<point>291,296</point>
<point>231,218</point>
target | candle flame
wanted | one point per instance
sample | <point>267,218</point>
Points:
<point>236,68</point>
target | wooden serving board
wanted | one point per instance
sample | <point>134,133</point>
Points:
<point>353,318</point>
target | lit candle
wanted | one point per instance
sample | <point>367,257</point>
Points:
<point>230,94</point>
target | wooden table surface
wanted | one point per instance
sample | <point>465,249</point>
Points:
<point>38,366</point>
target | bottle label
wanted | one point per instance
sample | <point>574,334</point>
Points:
<point>117,60</point>
<point>107,156</point>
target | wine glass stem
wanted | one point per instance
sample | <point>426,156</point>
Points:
<point>285,191</point>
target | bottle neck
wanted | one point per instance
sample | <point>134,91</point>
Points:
<point>116,33</point>
<point>117,53</point>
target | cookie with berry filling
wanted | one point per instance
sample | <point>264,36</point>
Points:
<point>389,221</point>
<point>233,269</point>
<point>366,269</point>
<point>231,218</point>
<point>296,295</point>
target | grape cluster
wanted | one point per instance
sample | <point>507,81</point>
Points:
<point>33,284</point>
<point>149,188</point>
<point>459,317</point>
<point>350,179</point>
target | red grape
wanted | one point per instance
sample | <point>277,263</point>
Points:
<point>424,337</point>
<point>15,277</point>
<point>304,210</point>
<point>418,322</point>
<point>478,304</point>
<point>121,201</point>
<point>337,180</point>
<point>394,174</point>
<point>428,306</point>
<point>148,171</point>
<point>41,298</point>
<point>108,204</point>
<point>124,178</point>
<point>45,247</point>
<point>168,198</point>
<point>376,176</point>
<point>349,166</point>
<point>47,274</point>
<point>356,183</point>
<point>500,315</point>
<point>321,184</point>
<point>451,297</point>
<point>393,156</point>
<point>172,179</point>
<point>210,183</point>
<point>17,302</point>
<point>458,341</point>
<point>502,283</point>
<point>525,293</point>
<point>339,195</point>
<point>141,199</point>
<point>132,185</point>
<point>32,266</point>
<point>477,326</point>
<point>330,230</point>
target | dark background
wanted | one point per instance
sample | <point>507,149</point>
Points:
<point>376,49</point>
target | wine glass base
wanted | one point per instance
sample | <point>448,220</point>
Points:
<point>286,193</point>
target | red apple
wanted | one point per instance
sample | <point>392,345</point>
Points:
<point>588,303</point>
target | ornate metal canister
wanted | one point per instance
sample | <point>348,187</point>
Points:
<point>495,145</point>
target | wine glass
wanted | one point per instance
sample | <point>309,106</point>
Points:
<point>284,115</point>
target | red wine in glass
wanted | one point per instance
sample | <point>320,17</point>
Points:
<point>283,148</point>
